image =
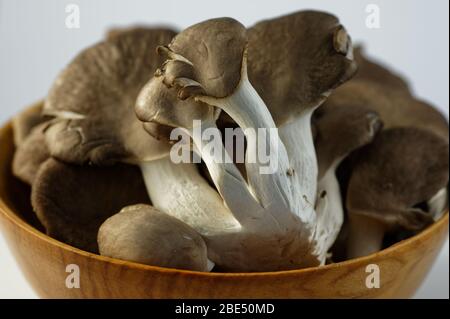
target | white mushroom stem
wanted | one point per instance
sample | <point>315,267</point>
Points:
<point>365,236</point>
<point>299,142</point>
<point>225,175</point>
<point>180,191</point>
<point>330,217</point>
<point>438,204</point>
<point>245,106</point>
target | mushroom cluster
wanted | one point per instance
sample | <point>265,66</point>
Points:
<point>354,155</point>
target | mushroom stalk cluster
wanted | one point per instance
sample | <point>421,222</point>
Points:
<point>275,209</point>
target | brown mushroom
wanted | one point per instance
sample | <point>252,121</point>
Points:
<point>73,201</point>
<point>145,235</point>
<point>402,168</point>
<point>294,62</point>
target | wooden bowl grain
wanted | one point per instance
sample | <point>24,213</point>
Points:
<point>43,261</point>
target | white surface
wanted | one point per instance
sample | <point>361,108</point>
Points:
<point>35,45</point>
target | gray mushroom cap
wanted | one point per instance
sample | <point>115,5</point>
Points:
<point>402,168</point>
<point>296,60</point>
<point>93,101</point>
<point>143,234</point>
<point>204,59</point>
<point>73,201</point>
<point>209,53</point>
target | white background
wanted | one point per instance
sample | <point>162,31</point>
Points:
<point>35,45</point>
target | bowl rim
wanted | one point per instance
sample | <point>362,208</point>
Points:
<point>9,214</point>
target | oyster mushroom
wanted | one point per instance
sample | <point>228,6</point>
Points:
<point>143,234</point>
<point>73,201</point>
<point>340,131</point>
<point>402,168</point>
<point>206,72</point>
<point>316,57</point>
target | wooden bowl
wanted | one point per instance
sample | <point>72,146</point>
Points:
<point>43,261</point>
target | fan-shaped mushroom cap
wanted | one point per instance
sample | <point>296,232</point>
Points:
<point>342,129</point>
<point>143,234</point>
<point>24,122</point>
<point>206,58</point>
<point>30,154</point>
<point>73,201</point>
<point>296,60</point>
<point>400,169</point>
<point>93,101</point>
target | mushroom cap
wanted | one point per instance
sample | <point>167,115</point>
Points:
<point>209,53</point>
<point>158,104</point>
<point>402,168</point>
<point>73,201</point>
<point>341,129</point>
<point>294,61</point>
<point>30,154</point>
<point>93,101</point>
<point>205,58</point>
<point>143,234</point>
<point>24,122</point>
